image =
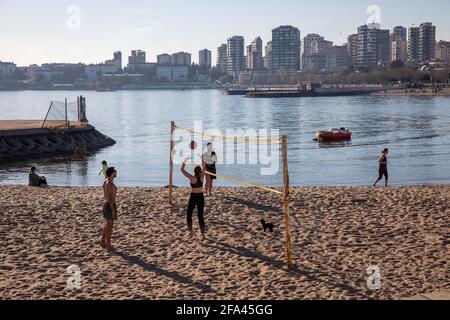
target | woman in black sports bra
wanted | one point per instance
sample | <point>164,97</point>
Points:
<point>197,198</point>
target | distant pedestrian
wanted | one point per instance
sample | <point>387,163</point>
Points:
<point>34,180</point>
<point>104,169</point>
<point>383,171</point>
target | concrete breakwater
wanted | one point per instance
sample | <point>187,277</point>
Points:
<point>18,142</point>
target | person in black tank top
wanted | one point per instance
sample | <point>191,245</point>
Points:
<point>383,170</point>
<point>197,199</point>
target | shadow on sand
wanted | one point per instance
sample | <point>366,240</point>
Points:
<point>254,205</point>
<point>311,275</point>
<point>204,288</point>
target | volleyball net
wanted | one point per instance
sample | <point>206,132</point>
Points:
<point>65,114</point>
<point>246,158</point>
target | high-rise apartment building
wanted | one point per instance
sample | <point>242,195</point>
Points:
<point>181,59</point>
<point>336,58</point>
<point>268,56</point>
<point>204,58</point>
<point>399,50</point>
<point>413,45</point>
<point>222,58</point>
<point>314,45</point>
<point>443,51</point>
<point>399,33</point>
<point>137,57</point>
<point>352,49</point>
<point>373,46</point>
<point>164,59</point>
<point>285,49</point>
<point>255,55</point>
<point>235,56</point>
<point>427,42</point>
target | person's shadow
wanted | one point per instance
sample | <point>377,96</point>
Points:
<point>149,267</point>
<point>312,275</point>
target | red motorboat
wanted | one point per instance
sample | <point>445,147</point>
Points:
<point>342,134</point>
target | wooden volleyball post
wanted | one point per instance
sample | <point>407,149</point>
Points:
<point>286,201</point>
<point>172,129</point>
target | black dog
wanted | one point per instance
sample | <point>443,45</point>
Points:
<point>267,226</point>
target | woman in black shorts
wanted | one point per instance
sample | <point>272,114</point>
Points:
<point>197,198</point>
<point>383,172</point>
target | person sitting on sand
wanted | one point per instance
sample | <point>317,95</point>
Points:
<point>34,180</point>
<point>109,207</point>
<point>197,198</point>
<point>104,168</point>
<point>383,168</point>
<point>210,160</point>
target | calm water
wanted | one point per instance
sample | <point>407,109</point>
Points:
<point>416,129</point>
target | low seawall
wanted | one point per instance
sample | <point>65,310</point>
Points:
<point>17,144</point>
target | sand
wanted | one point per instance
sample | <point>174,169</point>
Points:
<point>404,231</point>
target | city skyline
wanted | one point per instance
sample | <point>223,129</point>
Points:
<point>37,33</point>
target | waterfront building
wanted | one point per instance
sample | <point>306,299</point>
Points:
<point>427,42</point>
<point>181,59</point>
<point>352,49</point>
<point>235,56</point>
<point>314,63</point>
<point>373,46</point>
<point>137,57</point>
<point>93,71</point>
<point>286,47</point>
<point>177,73</point>
<point>399,51</point>
<point>314,45</point>
<point>7,69</point>
<point>222,58</point>
<point>413,45</point>
<point>268,56</point>
<point>164,59</point>
<point>400,34</point>
<point>147,68</point>
<point>443,51</point>
<point>116,61</point>
<point>336,58</point>
<point>255,60</point>
<point>204,59</point>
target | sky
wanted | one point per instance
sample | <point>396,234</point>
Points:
<point>36,32</point>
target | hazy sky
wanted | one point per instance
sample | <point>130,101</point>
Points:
<point>37,31</point>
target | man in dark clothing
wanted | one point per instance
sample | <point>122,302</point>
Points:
<point>34,180</point>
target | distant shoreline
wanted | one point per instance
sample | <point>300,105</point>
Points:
<point>418,92</point>
<point>445,92</point>
<point>177,87</point>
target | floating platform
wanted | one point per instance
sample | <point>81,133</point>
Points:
<point>298,93</point>
<point>28,139</point>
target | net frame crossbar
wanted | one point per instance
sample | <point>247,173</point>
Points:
<point>285,193</point>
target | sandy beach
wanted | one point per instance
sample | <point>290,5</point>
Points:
<point>337,233</point>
